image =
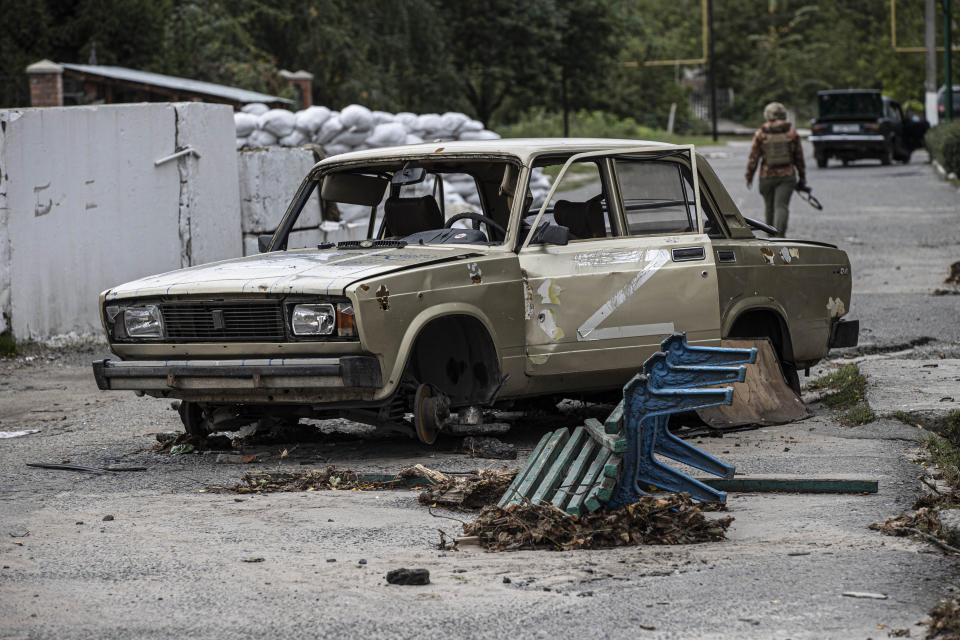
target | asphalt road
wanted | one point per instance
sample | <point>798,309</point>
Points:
<point>900,225</point>
<point>171,562</point>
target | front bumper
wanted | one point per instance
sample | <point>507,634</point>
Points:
<point>254,377</point>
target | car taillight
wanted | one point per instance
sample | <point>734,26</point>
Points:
<point>346,327</point>
<point>871,128</point>
<point>820,128</point>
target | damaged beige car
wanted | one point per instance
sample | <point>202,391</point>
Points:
<point>526,293</point>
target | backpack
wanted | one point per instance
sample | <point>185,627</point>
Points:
<point>776,150</point>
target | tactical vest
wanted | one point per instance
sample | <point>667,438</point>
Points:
<point>776,150</point>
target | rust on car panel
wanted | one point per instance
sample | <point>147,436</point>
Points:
<point>383,297</point>
<point>767,254</point>
<point>476,275</point>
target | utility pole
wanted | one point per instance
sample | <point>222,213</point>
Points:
<point>947,70</point>
<point>931,81</point>
<point>713,70</point>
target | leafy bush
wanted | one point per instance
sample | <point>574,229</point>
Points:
<point>540,123</point>
<point>943,141</point>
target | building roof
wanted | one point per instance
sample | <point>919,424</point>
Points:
<point>232,94</point>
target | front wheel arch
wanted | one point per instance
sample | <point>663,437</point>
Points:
<point>456,354</point>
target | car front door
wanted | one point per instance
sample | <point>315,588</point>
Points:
<point>600,305</point>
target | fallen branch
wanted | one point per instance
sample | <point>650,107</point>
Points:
<point>935,540</point>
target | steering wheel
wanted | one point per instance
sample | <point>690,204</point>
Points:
<point>479,217</point>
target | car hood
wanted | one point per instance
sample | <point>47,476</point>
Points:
<point>307,271</point>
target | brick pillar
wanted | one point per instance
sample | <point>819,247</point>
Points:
<point>46,84</point>
<point>302,83</point>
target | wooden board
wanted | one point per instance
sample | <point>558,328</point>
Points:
<point>762,398</point>
<point>792,485</point>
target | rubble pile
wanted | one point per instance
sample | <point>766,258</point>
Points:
<point>327,479</point>
<point>945,619</point>
<point>670,519</point>
<point>468,492</point>
<point>925,518</point>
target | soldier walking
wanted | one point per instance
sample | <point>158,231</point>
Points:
<point>776,147</point>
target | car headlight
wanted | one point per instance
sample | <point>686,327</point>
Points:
<point>313,319</point>
<point>143,322</point>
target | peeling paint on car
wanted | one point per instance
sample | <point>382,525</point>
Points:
<point>767,254</point>
<point>835,307</point>
<point>547,320</point>
<point>476,275</point>
<point>604,258</point>
<point>527,296</point>
<point>549,292</point>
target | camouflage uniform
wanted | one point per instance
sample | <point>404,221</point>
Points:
<point>777,182</point>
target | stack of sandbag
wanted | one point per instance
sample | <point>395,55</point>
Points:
<point>356,127</point>
<point>352,129</point>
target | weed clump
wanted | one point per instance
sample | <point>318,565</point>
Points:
<point>848,393</point>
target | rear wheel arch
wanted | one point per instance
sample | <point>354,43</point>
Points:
<point>765,322</point>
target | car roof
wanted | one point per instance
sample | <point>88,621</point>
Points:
<point>522,148</point>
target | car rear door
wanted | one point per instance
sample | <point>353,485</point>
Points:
<point>599,306</point>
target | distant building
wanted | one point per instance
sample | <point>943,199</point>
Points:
<point>61,84</point>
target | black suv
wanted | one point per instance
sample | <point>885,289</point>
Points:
<point>862,123</point>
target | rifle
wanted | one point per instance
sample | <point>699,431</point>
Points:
<point>805,193</point>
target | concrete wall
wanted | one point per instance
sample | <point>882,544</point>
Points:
<point>269,178</point>
<point>83,208</point>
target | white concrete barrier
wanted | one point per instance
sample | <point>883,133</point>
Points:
<point>84,206</point>
<point>269,178</point>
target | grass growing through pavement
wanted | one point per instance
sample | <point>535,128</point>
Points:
<point>944,450</point>
<point>848,391</point>
<point>8,346</point>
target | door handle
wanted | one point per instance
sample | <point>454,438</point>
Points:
<point>686,254</point>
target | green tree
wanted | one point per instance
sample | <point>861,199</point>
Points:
<point>208,41</point>
<point>501,47</point>
<point>27,38</point>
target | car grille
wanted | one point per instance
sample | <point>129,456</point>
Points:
<point>260,320</point>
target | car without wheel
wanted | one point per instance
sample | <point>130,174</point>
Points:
<point>861,123</point>
<point>526,293</point>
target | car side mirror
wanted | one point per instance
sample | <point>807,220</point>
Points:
<point>548,233</point>
<point>263,241</point>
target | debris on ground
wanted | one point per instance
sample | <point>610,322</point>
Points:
<point>864,595</point>
<point>945,619</point>
<point>25,432</point>
<point>408,576</point>
<point>237,458</point>
<point>183,443</point>
<point>482,429</point>
<point>486,447</point>
<point>327,479</point>
<point>670,519</point>
<point>467,492</point>
<point>954,277</point>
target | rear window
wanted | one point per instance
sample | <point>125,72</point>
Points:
<point>850,105</point>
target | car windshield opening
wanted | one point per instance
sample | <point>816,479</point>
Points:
<point>449,201</point>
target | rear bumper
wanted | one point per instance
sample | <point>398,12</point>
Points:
<point>861,144</point>
<point>845,333</point>
<point>255,375</point>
